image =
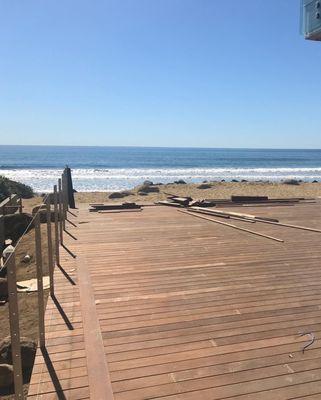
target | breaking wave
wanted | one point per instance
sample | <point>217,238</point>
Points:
<point>102,179</point>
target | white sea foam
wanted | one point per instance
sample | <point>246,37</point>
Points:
<point>117,179</point>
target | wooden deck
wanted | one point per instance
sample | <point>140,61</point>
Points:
<point>162,305</point>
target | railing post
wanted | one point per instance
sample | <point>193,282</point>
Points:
<point>20,206</point>
<point>55,194</point>
<point>41,307</point>
<point>2,233</point>
<point>14,327</point>
<point>50,251</point>
<point>70,189</point>
<point>61,216</point>
<point>65,194</point>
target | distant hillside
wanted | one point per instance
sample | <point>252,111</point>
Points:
<point>8,187</point>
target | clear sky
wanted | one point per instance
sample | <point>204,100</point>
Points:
<point>206,73</point>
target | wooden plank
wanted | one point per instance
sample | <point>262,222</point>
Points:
<point>229,214</point>
<point>247,199</point>
<point>181,200</point>
<point>98,373</point>
<point>303,228</point>
<point>10,205</point>
<point>113,206</point>
<point>181,316</point>
<point>119,211</point>
<point>233,226</point>
<point>169,203</point>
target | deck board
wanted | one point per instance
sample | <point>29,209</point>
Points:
<point>186,309</point>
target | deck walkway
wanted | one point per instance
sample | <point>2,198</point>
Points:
<point>162,305</point>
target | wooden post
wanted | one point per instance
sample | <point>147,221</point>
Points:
<point>2,234</point>
<point>61,216</point>
<point>14,327</point>
<point>41,306</point>
<point>55,194</point>
<point>20,205</point>
<point>71,198</point>
<point>50,251</point>
<point>64,196</point>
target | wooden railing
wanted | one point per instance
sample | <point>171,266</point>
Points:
<point>53,212</point>
<point>10,205</point>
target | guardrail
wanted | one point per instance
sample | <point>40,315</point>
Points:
<point>45,233</point>
<point>9,205</point>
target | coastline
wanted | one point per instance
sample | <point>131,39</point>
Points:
<point>111,169</point>
<point>218,190</point>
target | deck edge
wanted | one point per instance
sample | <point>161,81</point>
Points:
<point>98,372</point>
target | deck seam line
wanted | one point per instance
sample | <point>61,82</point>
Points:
<point>97,367</point>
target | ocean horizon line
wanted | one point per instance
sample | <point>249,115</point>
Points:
<point>162,147</point>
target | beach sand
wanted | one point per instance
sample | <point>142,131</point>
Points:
<point>218,190</point>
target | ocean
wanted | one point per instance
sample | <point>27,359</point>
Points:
<point>117,168</point>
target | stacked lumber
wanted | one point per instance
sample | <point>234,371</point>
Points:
<point>246,201</point>
<point>175,201</point>
<point>169,203</point>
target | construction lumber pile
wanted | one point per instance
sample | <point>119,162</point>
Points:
<point>99,207</point>
<point>209,207</point>
<point>237,201</point>
<point>249,199</point>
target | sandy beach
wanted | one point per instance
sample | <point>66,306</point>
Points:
<point>218,190</point>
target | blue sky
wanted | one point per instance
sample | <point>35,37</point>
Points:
<point>205,73</point>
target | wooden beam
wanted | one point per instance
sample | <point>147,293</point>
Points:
<point>303,228</point>
<point>233,214</point>
<point>232,226</point>
<point>98,373</point>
